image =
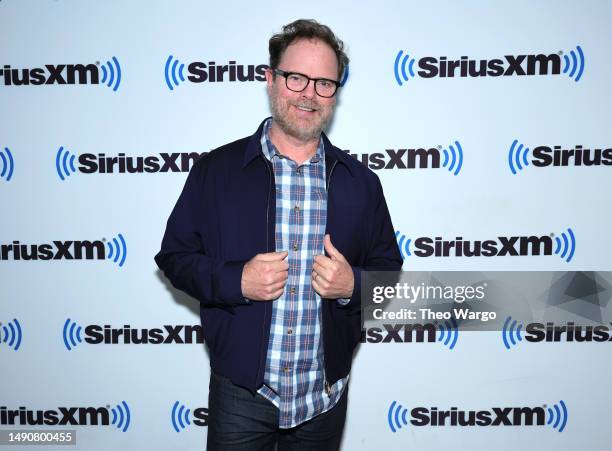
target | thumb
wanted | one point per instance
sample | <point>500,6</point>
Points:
<point>273,256</point>
<point>331,250</point>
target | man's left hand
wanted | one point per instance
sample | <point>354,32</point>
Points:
<point>332,277</point>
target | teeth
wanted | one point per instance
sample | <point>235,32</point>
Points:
<point>303,108</point>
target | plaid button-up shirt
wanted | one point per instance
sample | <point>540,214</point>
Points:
<point>294,379</point>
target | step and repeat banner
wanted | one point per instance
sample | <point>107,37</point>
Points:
<point>488,124</point>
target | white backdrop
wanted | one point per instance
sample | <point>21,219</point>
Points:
<point>138,115</point>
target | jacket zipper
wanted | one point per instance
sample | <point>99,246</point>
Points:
<point>325,383</point>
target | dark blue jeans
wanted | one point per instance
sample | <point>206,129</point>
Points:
<point>237,420</point>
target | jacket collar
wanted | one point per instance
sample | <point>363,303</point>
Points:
<point>254,151</point>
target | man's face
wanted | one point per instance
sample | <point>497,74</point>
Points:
<point>303,115</point>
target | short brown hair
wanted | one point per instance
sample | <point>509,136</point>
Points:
<point>306,29</point>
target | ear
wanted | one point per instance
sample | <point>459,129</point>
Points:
<point>269,78</point>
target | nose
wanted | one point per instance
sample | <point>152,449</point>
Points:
<point>309,91</point>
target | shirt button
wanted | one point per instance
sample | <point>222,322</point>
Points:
<point>286,369</point>
<point>289,331</point>
<point>298,170</point>
<point>295,246</point>
<point>296,208</point>
<point>292,290</point>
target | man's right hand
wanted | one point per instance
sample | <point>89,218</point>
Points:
<point>264,276</point>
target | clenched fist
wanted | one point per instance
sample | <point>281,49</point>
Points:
<point>264,276</point>
<point>332,277</point>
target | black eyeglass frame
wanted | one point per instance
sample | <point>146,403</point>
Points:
<point>287,74</point>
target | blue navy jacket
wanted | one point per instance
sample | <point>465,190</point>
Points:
<point>225,215</point>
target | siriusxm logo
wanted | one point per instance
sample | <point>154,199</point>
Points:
<point>571,64</point>
<point>10,334</point>
<point>72,334</point>
<point>89,163</point>
<point>69,416</point>
<point>200,72</point>
<point>68,250</point>
<point>520,156</point>
<point>444,332</point>
<point>512,333</point>
<point>555,416</point>
<point>108,74</point>
<point>563,245</point>
<point>449,158</point>
<point>7,164</point>
<point>181,416</point>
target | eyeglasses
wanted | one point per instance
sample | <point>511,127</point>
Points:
<point>297,82</point>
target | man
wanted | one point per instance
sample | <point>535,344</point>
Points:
<point>271,234</point>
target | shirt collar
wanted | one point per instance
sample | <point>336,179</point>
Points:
<point>332,154</point>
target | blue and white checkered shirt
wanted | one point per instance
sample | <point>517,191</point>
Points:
<point>294,380</point>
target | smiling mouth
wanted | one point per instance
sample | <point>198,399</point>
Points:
<point>305,108</point>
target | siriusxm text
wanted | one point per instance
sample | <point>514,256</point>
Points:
<point>74,416</point>
<point>504,246</point>
<point>212,72</point>
<point>400,333</point>
<point>61,74</point>
<point>556,156</point>
<point>549,332</point>
<point>508,65</point>
<point>168,334</point>
<point>496,416</point>
<point>163,162</point>
<point>401,159</point>
<point>56,250</point>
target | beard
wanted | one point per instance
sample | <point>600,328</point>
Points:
<point>301,128</point>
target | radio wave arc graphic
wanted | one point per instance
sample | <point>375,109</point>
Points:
<point>345,75</point>
<point>449,333</point>
<point>171,70</point>
<point>393,416</point>
<point>566,245</point>
<point>71,333</point>
<point>111,73</point>
<point>403,62</point>
<point>8,164</point>
<point>180,416</point>
<point>117,250</point>
<point>454,156</point>
<point>11,334</point>
<point>558,416</point>
<point>574,63</point>
<point>404,244</point>
<point>64,163</point>
<point>121,416</point>
<point>511,332</point>
<point>517,156</point>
